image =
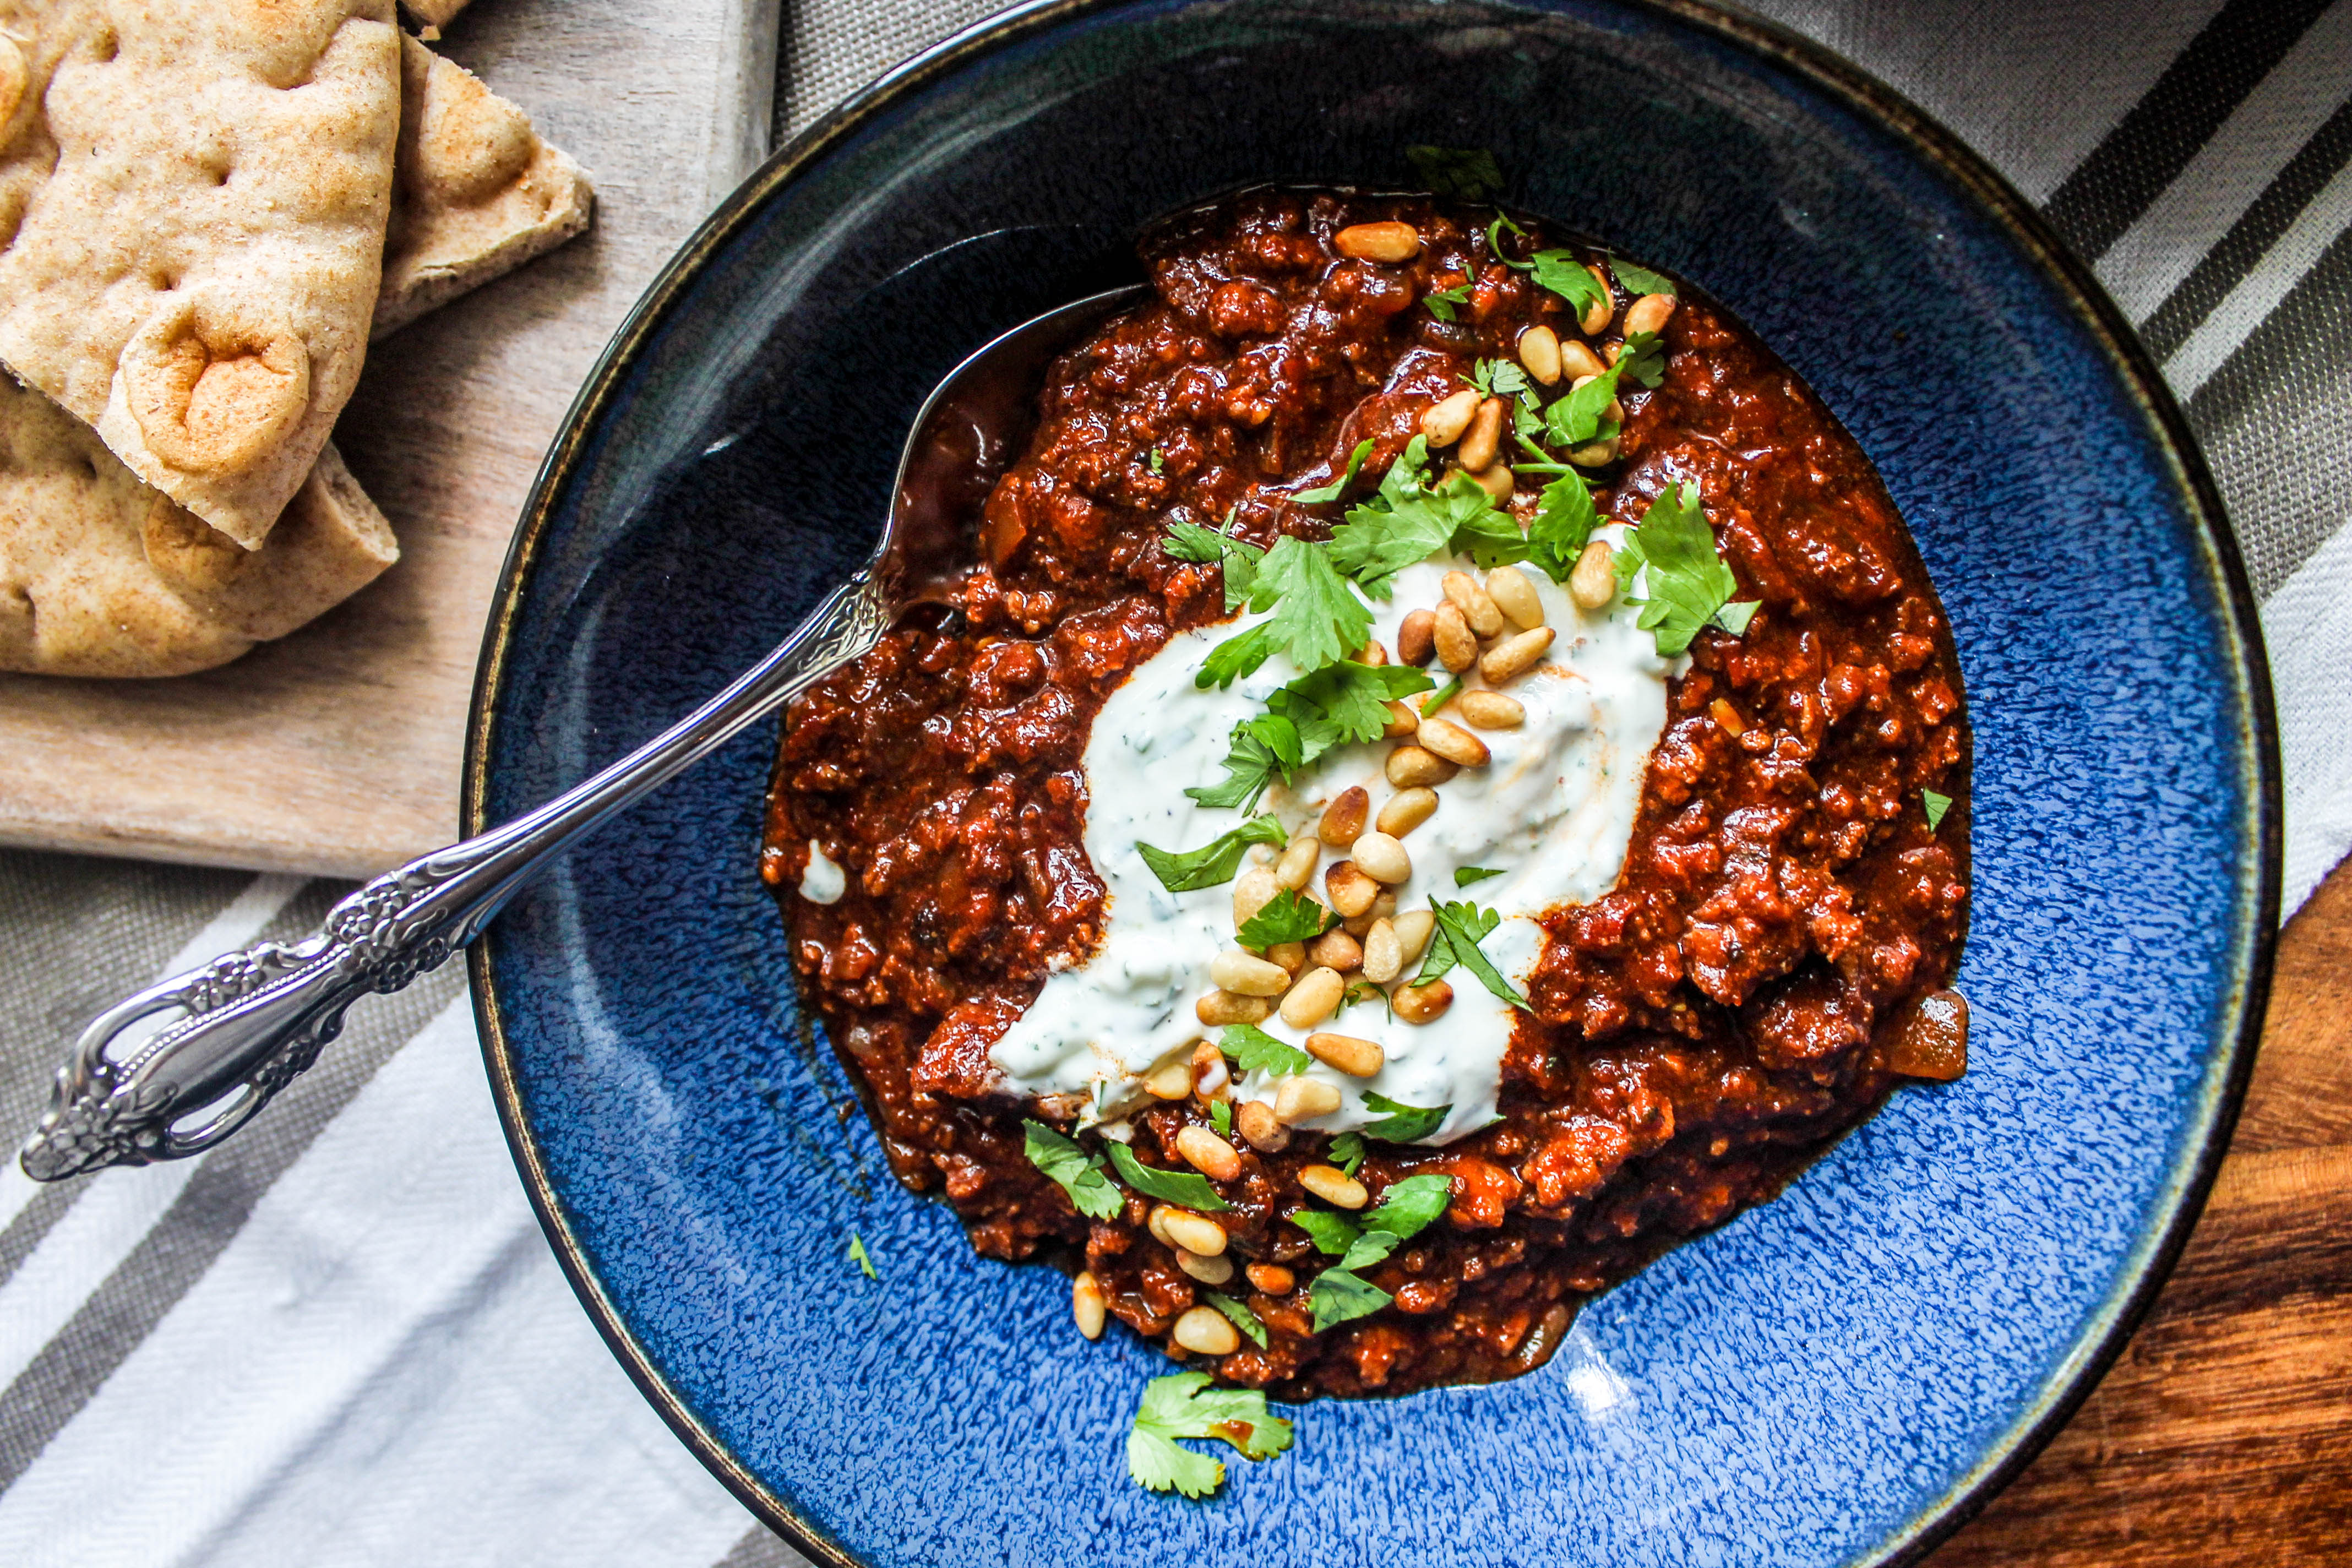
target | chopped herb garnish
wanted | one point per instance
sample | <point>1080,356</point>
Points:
<point>1460,929</point>
<point>1339,1295</point>
<point>1221,1117</point>
<point>1187,1189</point>
<point>1640,279</point>
<point>1936,806</point>
<point>1290,916</point>
<point>1466,874</point>
<point>1340,1292</point>
<point>1402,1123</point>
<point>1457,173</point>
<point>1157,462</point>
<point>1182,1405</point>
<point>1579,417</point>
<point>1643,359</point>
<point>1329,1232</point>
<point>1442,301</point>
<point>1073,1170</point>
<point>1347,1153</point>
<point>1563,524</point>
<point>1316,617</point>
<point>1498,377</point>
<point>857,1254</point>
<point>1191,542</point>
<point>1332,490</point>
<point>1564,275</point>
<point>1254,1050</point>
<point>1364,991</point>
<point>1260,748</point>
<point>1213,863</point>
<point>1241,1316</point>
<point>1441,697</point>
<point>1685,584</point>
<point>1405,527</point>
<point>1409,1206</point>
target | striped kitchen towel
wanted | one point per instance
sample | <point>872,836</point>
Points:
<point>342,1339</point>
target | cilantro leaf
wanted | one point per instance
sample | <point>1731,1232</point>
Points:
<point>1261,747</point>
<point>1441,301</point>
<point>1936,806</point>
<point>1192,541</point>
<point>1187,1189</point>
<point>1640,279</point>
<point>1077,1173</point>
<point>1643,359</point>
<point>858,1254</point>
<point>1466,874</point>
<point>1685,584</point>
<point>1221,1117</point>
<point>1347,1153</point>
<point>1240,1316</point>
<point>1344,701</point>
<point>1564,275</point>
<point>1460,928</point>
<point>1377,541</point>
<point>1317,618</point>
<point>1367,1248</point>
<point>1402,1123</point>
<point>1338,1295</point>
<point>1563,524</point>
<point>1238,656</point>
<point>1213,863</point>
<point>1409,475</point>
<point>1290,916</point>
<point>1329,1232</point>
<point>1182,1405</point>
<point>1495,241</point>
<point>1457,173</point>
<point>1574,420</point>
<point>1488,535</point>
<point>1410,1206</point>
<point>1254,1050</point>
<point>1498,377</point>
<point>1332,490</point>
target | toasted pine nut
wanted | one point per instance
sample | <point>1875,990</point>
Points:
<point>1205,1331</point>
<point>1443,422</point>
<point>1086,1305</point>
<point>1297,866</point>
<point>1210,1074</point>
<point>1194,1232</point>
<point>1383,957</point>
<point>1595,319</point>
<point>1388,242</point>
<point>1403,720</point>
<point>1215,1270</point>
<point>1334,1186</point>
<point>1413,928</point>
<point>1255,1120</point>
<point>1334,949</point>
<point>1344,818</point>
<point>1357,1059</point>
<point>1253,891</point>
<point>1382,908</point>
<point>1463,592</point>
<point>1248,974</point>
<point>1271,1278</point>
<point>1577,359</point>
<point>1540,352</point>
<point>1649,314</point>
<point>1171,1080</point>
<point>1381,858</point>
<point>1219,1008</point>
<point>1406,810</point>
<point>1410,766</point>
<point>1352,891</point>
<point>1725,714</point>
<point>1457,649</point>
<point>1490,710</point>
<point>1455,743</point>
<point>1415,643</point>
<point>1373,655</point>
<point>1313,999</point>
<point>1513,656</point>
<point>1208,1153</point>
<point>1484,439</point>
<point>1594,454</point>
<point>1291,955</point>
<point>1422,1004</point>
<point>1298,1099</point>
<point>1497,480</point>
<point>1515,598</point>
<point>1593,584</point>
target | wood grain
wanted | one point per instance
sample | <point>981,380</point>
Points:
<point>336,750</point>
<point>2224,1434</point>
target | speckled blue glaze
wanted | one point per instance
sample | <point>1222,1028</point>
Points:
<point>1832,1378</point>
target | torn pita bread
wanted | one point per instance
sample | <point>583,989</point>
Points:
<point>197,277</point>
<point>101,575</point>
<point>475,192</point>
<point>435,13</point>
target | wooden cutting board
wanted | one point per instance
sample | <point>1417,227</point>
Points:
<point>336,750</point>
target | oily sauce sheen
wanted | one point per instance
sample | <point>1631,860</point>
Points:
<point>1699,1032</point>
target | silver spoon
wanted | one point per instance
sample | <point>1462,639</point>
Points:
<point>176,1068</point>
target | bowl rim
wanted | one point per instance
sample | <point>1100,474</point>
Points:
<point>2179,1206</point>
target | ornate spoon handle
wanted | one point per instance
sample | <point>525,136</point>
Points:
<point>173,1071</point>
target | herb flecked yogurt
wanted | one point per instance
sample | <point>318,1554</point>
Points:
<point>1550,815</point>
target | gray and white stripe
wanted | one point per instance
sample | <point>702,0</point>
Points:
<point>314,1346</point>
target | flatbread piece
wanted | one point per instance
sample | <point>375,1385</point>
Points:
<point>195,262</point>
<point>435,13</point>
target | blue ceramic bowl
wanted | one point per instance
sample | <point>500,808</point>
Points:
<point>1837,1377</point>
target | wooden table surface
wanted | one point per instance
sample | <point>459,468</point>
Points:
<point>2223,1435</point>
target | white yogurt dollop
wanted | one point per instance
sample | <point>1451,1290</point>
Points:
<point>1552,811</point>
<point>823,882</point>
